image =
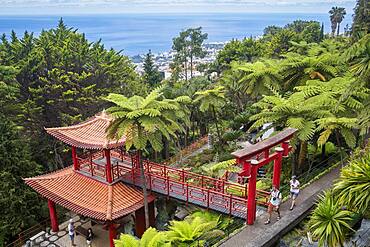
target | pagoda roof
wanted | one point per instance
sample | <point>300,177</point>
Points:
<point>90,134</point>
<point>88,197</point>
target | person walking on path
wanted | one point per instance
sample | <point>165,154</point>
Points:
<point>89,237</point>
<point>294,190</point>
<point>71,232</point>
<point>274,203</point>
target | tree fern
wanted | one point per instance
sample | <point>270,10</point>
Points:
<point>144,121</point>
<point>259,77</point>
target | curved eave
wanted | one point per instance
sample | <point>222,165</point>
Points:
<point>85,145</point>
<point>86,196</point>
<point>90,134</point>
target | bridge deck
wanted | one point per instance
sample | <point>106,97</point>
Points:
<point>216,194</point>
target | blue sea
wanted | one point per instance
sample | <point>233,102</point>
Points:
<point>137,33</point>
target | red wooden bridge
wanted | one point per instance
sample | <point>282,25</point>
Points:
<point>217,194</point>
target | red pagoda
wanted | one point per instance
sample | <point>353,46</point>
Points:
<point>103,183</point>
<point>91,187</point>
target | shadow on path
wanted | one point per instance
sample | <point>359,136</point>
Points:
<point>261,235</point>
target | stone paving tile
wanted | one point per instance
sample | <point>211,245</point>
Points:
<point>101,237</point>
<point>260,234</point>
<point>44,243</point>
<point>61,233</point>
<point>53,238</point>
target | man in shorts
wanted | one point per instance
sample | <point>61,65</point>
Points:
<point>274,203</point>
<point>294,190</point>
<point>71,232</point>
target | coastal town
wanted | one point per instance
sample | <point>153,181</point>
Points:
<point>163,60</point>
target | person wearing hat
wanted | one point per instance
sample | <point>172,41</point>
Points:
<point>294,190</point>
<point>71,231</point>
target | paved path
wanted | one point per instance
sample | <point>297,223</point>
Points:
<point>261,235</point>
<point>195,152</point>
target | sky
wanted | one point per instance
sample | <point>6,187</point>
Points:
<point>65,7</point>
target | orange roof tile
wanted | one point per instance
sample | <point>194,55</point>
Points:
<point>86,196</point>
<point>90,134</point>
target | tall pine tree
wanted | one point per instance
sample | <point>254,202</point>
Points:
<point>61,78</point>
<point>20,206</point>
<point>151,74</point>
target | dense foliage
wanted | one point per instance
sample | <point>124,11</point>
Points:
<point>20,205</point>
<point>57,79</point>
<point>194,230</point>
<point>337,210</point>
<point>294,76</point>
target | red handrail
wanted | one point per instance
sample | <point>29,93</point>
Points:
<point>208,191</point>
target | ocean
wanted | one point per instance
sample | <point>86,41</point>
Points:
<point>137,33</point>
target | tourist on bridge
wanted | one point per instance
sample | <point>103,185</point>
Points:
<point>294,190</point>
<point>275,201</point>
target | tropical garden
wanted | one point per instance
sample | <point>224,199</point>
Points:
<point>298,75</point>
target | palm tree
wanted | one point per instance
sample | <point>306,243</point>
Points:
<point>145,120</point>
<point>341,12</point>
<point>150,238</point>
<point>336,17</point>
<point>353,186</point>
<point>211,100</point>
<point>260,77</point>
<point>329,222</point>
<point>192,232</point>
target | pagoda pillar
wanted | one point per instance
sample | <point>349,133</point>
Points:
<point>76,166</point>
<point>140,222</point>
<point>251,200</point>
<point>151,214</point>
<point>112,234</point>
<point>108,167</point>
<point>53,216</point>
<point>277,167</point>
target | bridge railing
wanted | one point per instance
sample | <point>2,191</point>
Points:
<point>220,194</point>
<point>94,169</point>
<point>190,192</point>
<point>159,175</point>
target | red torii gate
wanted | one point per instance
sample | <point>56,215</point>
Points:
<point>255,156</point>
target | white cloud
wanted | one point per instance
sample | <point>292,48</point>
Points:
<point>112,6</point>
<point>154,2</point>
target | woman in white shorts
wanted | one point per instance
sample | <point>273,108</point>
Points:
<point>294,190</point>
